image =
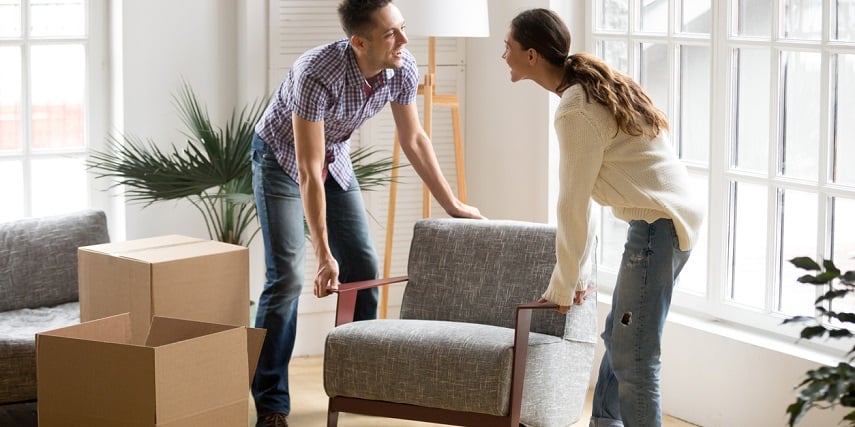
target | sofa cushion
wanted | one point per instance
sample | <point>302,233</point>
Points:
<point>38,257</point>
<point>18,330</point>
<point>458,366</point>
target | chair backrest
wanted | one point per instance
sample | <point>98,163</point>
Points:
<point>478,271</point>
<point>38,257</point>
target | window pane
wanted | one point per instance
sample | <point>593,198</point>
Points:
<point>57,98</point>
<point>12,177</point>
<point>843,243</point>
<point>614,15</point>
<point>696,16</point>
<point>693,278</point>
<point>754,18</point>
<point>654,73</point>
<point>803,19</point>
<point>615,53</point>
<point>613,237</point>
<point>845,25</point>
<point>798,238</point>
<point>752,109</point>
<point>695,103</point>
<point>748,247</point>
<point>800,149</point>
<point>654,16</point>
<point>844,125</point>
<point>10,99</point>
<point>58,186</point>
<point>52,18</point>
<point>843,235</point>
<point>10,18</point>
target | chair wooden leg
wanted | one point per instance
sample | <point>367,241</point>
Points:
<point>332,418</point>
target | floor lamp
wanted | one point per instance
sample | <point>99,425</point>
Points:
<point>432,19</point>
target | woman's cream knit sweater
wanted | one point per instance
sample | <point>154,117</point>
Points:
<point>638,177</point>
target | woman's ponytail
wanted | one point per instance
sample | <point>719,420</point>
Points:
<point>629,104</point>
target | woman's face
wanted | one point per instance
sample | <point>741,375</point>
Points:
<point>516,57</point>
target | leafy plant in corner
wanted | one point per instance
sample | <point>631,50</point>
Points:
<point>827,386</point>
<point>212,172</point>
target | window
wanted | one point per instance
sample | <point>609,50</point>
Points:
<point>47,100</point>
<point>758,93</point>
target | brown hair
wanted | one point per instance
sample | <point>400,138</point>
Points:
<point>545,32</point>
<point>355,15</point>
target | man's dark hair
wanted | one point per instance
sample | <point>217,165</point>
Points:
<point>355,15</point>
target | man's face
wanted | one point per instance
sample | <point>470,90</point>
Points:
<point>386,41</point>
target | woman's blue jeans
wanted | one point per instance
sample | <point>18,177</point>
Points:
<point>627,391</point>
<point>280,213</point>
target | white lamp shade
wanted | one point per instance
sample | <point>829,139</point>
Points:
<point>445,18</point>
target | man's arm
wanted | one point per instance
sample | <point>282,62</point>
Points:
<point>310,151</point>
<point>419,151</point>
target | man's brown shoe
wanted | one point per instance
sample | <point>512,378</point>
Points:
<point>272,420</point>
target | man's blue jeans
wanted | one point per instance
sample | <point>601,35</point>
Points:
<point>627,391</point>
<point>280,213</point>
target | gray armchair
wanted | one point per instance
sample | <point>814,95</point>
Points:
<point>471,347</point>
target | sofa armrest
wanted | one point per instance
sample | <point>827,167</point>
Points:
<point>522,327</point>
<point>38,257</point>
<point>346,304</point>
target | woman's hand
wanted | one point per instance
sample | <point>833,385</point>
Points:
<point>578,299</point>
<point>561,308</point>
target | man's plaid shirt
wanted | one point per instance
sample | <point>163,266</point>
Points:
<point>325,84</point>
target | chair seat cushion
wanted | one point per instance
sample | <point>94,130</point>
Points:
<point>449,365</point>
<point>18,330</point>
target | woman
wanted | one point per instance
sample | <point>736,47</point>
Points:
<point>615,150</point>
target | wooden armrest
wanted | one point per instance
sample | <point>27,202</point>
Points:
<point>346,305</point>
<point>537,305</point>
<point>522,327</point>
<point>367,284</point>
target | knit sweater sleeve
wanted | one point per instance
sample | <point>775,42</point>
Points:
<point>581,155</point>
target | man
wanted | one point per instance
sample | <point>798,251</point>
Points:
<point>301,165</point>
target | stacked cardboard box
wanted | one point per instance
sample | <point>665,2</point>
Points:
<point>185,373</point>
<point>173,276</point>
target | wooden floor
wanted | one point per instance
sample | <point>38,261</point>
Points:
<point>309,402</point>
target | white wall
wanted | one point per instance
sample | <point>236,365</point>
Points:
<point>156,44</point>
<point>162,42</point>
<point>508,124</point>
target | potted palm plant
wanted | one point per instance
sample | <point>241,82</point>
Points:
<point>212,171</point>
<point>826,386</point>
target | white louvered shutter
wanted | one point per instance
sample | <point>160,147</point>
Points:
<point>299,25</point>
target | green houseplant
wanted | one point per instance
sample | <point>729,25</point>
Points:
<point>826,386</point>
<point>212,171</point>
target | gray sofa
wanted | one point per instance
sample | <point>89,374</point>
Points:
<point>461,352</point>
<point>38,284</point>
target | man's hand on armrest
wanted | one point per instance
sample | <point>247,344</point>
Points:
<point>366,284</point>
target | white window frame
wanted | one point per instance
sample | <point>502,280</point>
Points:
<point>95,104</point>
<point>714,305</point>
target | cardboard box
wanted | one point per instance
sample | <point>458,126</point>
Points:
<point>170,276</point>
<point>187,373</point>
